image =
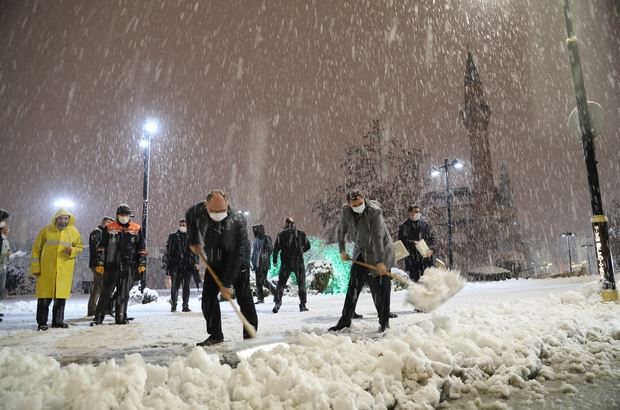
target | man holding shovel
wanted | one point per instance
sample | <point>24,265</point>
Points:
<point>410,232</point>
<point>363,221</point>
<point>218,234</point>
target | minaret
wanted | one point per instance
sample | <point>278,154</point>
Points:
<point>475,116</point>
<point>504,188</point>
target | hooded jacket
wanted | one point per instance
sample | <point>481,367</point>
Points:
<point>261,249</point>
<point>50,260</point>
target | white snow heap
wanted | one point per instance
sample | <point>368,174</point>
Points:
<point>434,288</point>
<point>474,355</point>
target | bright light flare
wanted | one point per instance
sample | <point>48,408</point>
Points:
<point>64,203</point>
<point>151,126</point>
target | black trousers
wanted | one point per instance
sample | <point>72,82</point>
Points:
<point>95,292</point>
<point>261,281</point>
<point>211,304</point>
<point>286,268</point>
<point>58,311</point>
<point>380,288</point>
<point>181,276</point>
<point>415,266</point>
<point>121,281</point>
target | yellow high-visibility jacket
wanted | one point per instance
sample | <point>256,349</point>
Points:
<point>50,259</point>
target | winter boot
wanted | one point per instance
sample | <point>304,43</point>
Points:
<point>339,326</point>
<point>303,308</point>
<point>276,308</point>
<point>356,316</point>
<point>186,309</point>
<point>393,315</point>
<point>173,308</point>
<point>97,320</point>
<point>211,340</point>
<point>42,328</point>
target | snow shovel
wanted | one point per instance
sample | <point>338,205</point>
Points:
<point>436,286</point>
<point>246,325</point>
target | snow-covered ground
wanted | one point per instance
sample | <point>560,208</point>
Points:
<point>513,344</point>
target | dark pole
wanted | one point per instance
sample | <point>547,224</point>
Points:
<point>449,205</point>
<point>599,220</point>
<point>570,260</point>
<point>145,196</point>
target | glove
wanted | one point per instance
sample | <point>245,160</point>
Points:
<point>141,269</point>
<point>99,269</point>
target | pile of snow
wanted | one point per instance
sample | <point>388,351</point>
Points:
<point>471,354</point>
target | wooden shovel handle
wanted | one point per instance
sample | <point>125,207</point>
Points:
<point>373,267</point>
<point>246,325</point>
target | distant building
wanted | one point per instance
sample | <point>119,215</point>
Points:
<point>485,228</point>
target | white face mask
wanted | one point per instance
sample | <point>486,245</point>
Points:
<point>123,220</point>
<point>218,216</point>
<point>183,229</point>
<point>2,224</point>
<point>360,208</point>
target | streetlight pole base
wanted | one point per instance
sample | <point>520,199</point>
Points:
<point>609,295</point>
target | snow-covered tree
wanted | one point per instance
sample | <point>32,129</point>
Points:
<point>385,170</point>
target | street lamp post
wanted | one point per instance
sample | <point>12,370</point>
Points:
<point>588,246</point>
<point>599,220</point>
<point>569,235</point>
<point>435,172</point>
<point>149,129</point>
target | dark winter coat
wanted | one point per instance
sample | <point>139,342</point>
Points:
<point>226,244</point>
<point>179,257</point>
<point>122,247</point>
<point>369,234</point>
<point>94,239</point>
<point>410,231</point>
<point>261,249</point>
<point>292,242</point>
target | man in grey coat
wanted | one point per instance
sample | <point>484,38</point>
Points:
<point>363,221</point>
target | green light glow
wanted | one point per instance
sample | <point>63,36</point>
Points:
<point>319,250</point>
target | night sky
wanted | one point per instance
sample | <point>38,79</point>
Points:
<point>260,97</point>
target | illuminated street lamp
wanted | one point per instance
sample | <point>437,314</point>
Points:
<point>435,172</point>
<point>569,235</point>
<point>64,203</point>
<point>149,130</point>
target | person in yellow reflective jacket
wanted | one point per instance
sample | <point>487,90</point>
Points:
<point>53,259</point>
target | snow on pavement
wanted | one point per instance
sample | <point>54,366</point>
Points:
<point>494,345</point>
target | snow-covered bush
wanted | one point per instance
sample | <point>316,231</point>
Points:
<point>320,273</point>
<point>136,297</point>
<point>18,281</point>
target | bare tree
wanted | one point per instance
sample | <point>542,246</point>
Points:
<point>384,170</point>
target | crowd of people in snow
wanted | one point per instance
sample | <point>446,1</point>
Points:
<point>215,232</point>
